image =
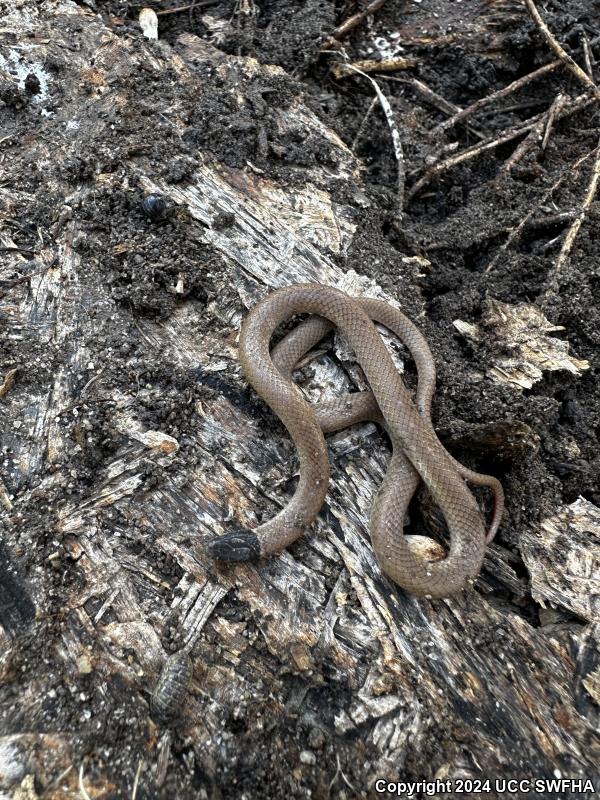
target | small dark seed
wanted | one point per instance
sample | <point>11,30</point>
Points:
<point>154,206</point>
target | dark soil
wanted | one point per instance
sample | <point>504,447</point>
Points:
<point>458,223</point>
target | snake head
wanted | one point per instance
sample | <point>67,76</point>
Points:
<point>239,545</point>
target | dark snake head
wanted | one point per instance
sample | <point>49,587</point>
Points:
<point>239,545</point>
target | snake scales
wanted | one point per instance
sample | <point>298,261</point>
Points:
<point>417,452</point>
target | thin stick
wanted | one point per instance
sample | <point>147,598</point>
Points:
<point>551,283</point>
<point>428,93</point>
<point>550,219</point>
<point>587,55</point>
<point>189,7</point>
<point>82,789</point>
<point>488,144</point>
<point>491,98</point>
<point>349,24</point>
<point>554,108</point>
<point>534,136</point>
<point>396,141</point>
<point>17,250</point>
<point>57,780</point>
<point>436,100</point>
<point>137,779</point>
<point>562,54</point>
<point>341,70</point>
<point>468,153</point>
<point>540,222</point>
<point>363,124</point>
<point>515,234</point>
<point>520,106</point>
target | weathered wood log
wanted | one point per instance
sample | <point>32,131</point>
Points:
<point>130,438</point>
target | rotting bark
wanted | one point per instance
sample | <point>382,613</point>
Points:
<point>310,670</point>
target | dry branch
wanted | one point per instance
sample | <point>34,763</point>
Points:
<point>539,134</point>
<point>189,7</point>
<point>554,108</point>
<point>363,125</point>
<point>587,55</point>
<point>341,70</point>
<point>514,235</point>
<point>352,22</point>
<point>569,62</point>
<point>490,143</point>
<point>553,277</point>
<point>432,97</point>
<point>492,98</point>
<point>534,136</point>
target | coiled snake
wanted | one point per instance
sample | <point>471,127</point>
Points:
<point>417,452</point>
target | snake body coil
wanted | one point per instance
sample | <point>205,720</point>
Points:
<point>417,452</point>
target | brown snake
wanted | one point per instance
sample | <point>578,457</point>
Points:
<point>417,452</point>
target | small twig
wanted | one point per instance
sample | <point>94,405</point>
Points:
<point>518,106</point>
<point>465,155</point>
<point>491,98</point>
<point>488,144</point>
<point>396,141</point>
<point>586,131</point>
<point>547,221</point>
<point>90,382</point>
<point>550,219</point>
<point>549,245</point>
<point>137,779</point>
<point>341,70</point>
<point>435,157</point>
<point>534,136</point>
<point>339,771</point>
<point>57,780</point>
<point>587,55</point>
<point>436,100</point>
<point>427,92</point>
<point>554,108</point>
<point>527,220</point>
<point>163,754</point>
<point>17,250</point>
<point>569,62</point>
<point>82,790</point>
<point>352,22</point>
<point>189,7</point>
<point>363,124</point>
<point>89,403</point>
<point>551,283</point>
